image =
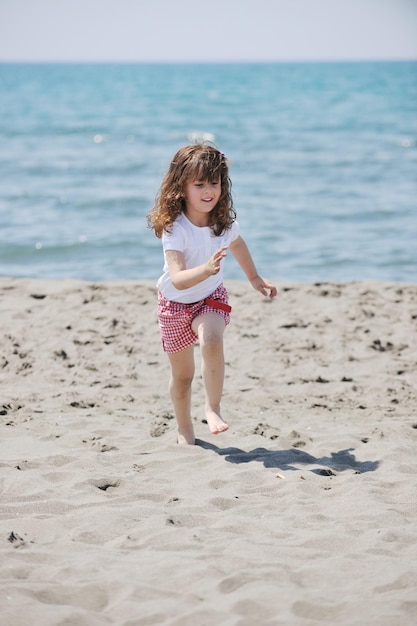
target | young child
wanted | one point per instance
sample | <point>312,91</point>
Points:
<point>194,216</point>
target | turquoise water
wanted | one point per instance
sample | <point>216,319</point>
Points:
<point>323,163</point>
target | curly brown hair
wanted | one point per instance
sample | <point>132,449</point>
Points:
<point>199,162</point>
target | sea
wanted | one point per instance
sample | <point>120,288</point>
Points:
<point>322,156</point>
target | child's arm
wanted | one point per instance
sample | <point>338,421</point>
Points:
<point>240,251</point>
<point>183,278</point>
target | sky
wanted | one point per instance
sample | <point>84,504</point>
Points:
<point>207,30</point>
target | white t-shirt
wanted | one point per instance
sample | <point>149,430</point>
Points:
<point>198,244</point>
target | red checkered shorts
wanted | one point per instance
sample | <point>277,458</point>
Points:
<point>175,319</point>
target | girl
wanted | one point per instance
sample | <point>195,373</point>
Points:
<point>194,216</point>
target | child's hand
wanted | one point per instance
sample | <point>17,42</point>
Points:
<point>213,264</point>
<point>264,286</point>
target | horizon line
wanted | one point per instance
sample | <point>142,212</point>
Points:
<point>203,61</point>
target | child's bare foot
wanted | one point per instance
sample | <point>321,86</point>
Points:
<point>186,437</point>
<point>215,422</point>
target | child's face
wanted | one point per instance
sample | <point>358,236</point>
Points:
<point>200,199</point>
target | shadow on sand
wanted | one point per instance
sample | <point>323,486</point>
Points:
<point>291,459</point>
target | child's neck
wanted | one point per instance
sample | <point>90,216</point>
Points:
<point>197,220</point>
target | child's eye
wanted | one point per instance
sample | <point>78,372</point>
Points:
<point>214,183</point>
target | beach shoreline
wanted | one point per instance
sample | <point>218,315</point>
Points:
<point>304,512</point>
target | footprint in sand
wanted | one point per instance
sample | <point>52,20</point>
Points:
<point>104,484</point>
<point>99,445</point>
<point>82,404</point>
<point>16,540</point>
<point>265,430</point>
<point>161,425</point>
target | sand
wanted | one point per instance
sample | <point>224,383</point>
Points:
<point>304,512</point>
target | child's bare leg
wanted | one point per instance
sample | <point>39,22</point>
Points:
<point>210,328</point>
<point>182,373</point>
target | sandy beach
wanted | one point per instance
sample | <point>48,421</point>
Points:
<point>304,512</point>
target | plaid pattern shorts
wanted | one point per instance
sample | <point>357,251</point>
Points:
<point>175,319</point>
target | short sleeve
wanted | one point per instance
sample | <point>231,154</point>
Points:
<point>175,240</point>
<point>234,231</point>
